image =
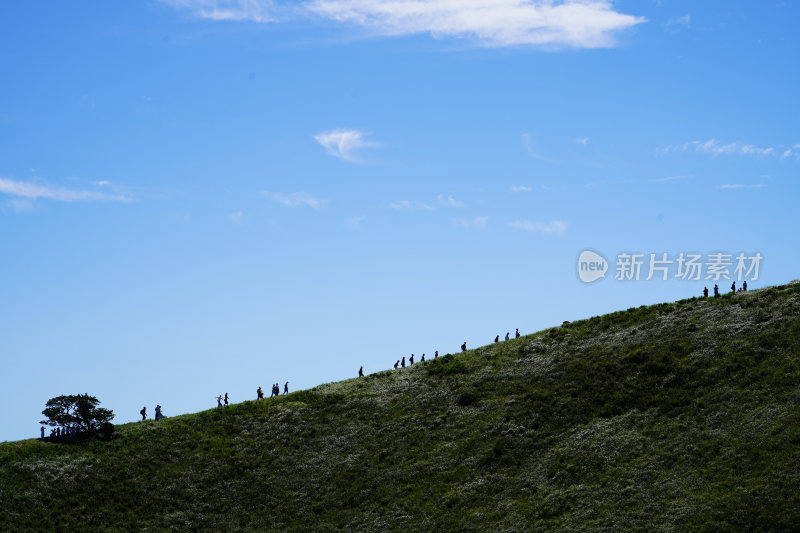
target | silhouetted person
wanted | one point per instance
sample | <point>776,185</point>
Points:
<point>143,412</point>
<point>158,412</point>
<point>507,335</point>
<point>41,429</point>
<point>744,285</point>
<point>286,388</point>
<point>226,399</point>
<point>705,292</point>
<point>411,359</point>
<point>517,334</point>
<point>403,362</point>
<point>733,287</point>
<point>423,359</point>
<point>497,339</point>
<point>396,364</point>
<point>361,372</point>
<point>219,401</point>
<point>436,354</point>
<point>716,290</point>
<point>464,347</point>
<point>259,393</point>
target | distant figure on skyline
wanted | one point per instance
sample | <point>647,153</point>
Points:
<point>716,290</point>
<point>705,292</point>
<point>508,335</point>
<point>436,354</point>
<point>403,362</point>
<point>226,399</point>
<point>396,364</point>
<point>733,287</point>
<point>423,359</point>
<point>259,393</point>
<point>497,338</point>
<point>361,372</point>
<point>219,401</point>
<point>517,334</point>
<point>744,285</point>
<point>464,347</point>
<point>158,412</point>
<point>286,388</point>
<point>411,359</point>
<point>41,430</point>
<point>143,412</point>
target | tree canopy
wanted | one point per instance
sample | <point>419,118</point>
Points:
<point>76,410</point>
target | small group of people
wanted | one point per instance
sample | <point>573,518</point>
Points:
<point>402,362</point>
<point>59,432</point>
<point>276,391</point>
<point>221,399</point>
<point>733,289</point>
<point>159,413</point>
<point>496,339</point>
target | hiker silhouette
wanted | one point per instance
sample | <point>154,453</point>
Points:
<point>744,285</point>
<point>422,360</point>
<point>517,334</point>
<point>464,347</point>
<point>436,354</point>
<point>143,412</point>
<point>716,290</point>
<point>507,335</point>
<point>705,292</point>
<point>286,388</point>
<point>411,359</point>
<point>259,393</point>
<point>497,339</point>
<point>396,364</point>
<point>403,362</point>
<point>361,372</point>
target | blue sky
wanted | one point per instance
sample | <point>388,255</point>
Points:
<point>201,196</point>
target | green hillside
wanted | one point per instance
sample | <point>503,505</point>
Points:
<point>673,417</point>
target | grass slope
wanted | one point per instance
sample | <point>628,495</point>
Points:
<point>672,417</point>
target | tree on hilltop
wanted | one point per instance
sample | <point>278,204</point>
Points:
<point>76,411</point>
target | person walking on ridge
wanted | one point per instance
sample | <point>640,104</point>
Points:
<point>361,372</point>
<point>464,347</point>
<point>286,388</point>
<point>143,412</point>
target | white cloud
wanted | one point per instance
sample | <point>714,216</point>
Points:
<point>413,206</point>
<point>252,10</point>
<point>741,186</point>
<point>236,217</point>
<point>35,191</point>
<point>472,223</point>
<point>521,188</point>
<point>581,140</point>
<point>553,228</point>
<point>553,23</point>
<point>715,148</point>
<point>579,24</point>
<point>449,201</point>
<point>341,142</point>
<point>295,199</point>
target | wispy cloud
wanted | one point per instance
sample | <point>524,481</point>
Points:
<point>581,140</point>
<point>495,23</point>
<point>252,10</point>
<point>684,21</point>
<point>715,148</point>
<point>413,206</point>
<point>342,142</point>
<point>237,217</point>
<point>742,186</point>
<point>295,199</point>
<point>521,188</point>
<point>449,201</point>
<point>355,222</point>
<point>553,228</point>
<point>669,178</point>
<point>583,24</point>
<point>37,191</point>
<point>472,223</point>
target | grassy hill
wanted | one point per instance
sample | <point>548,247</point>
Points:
<point>673,417</point>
